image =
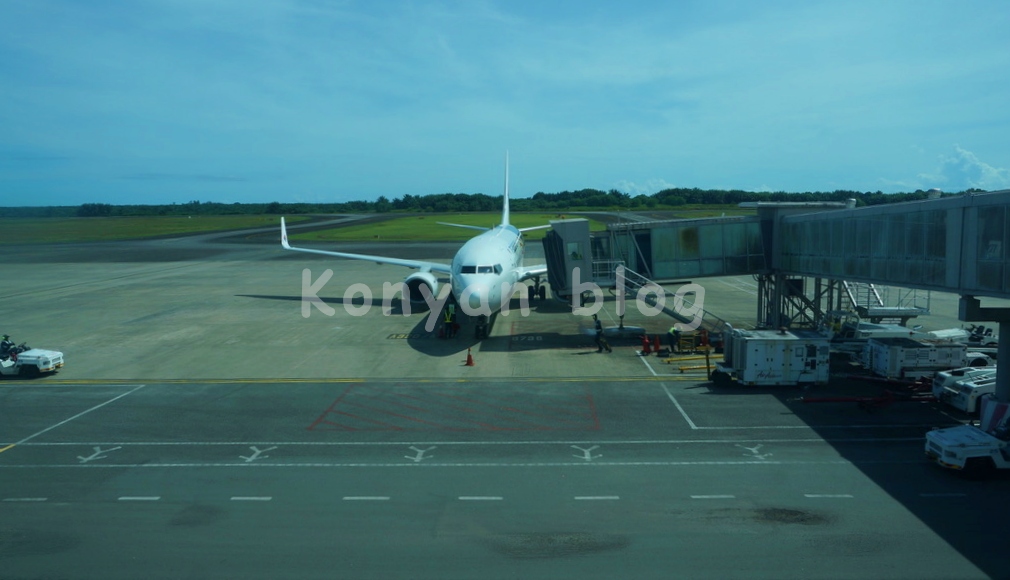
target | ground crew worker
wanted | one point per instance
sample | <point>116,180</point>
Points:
<point>6,345</point>
<point>449,316</point>
<point>601,343</point>
<point>673,335</point>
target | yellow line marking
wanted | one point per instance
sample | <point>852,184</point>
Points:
<point>8,447</point>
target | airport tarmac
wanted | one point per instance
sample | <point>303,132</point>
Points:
<point>203,427</point>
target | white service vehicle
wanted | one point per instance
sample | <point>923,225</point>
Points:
<point>963,388</point>
<point>904,358</point>
<point>31,362</point>
<point>773,357</point>
<point>969,449</point>
<point>849,333</point>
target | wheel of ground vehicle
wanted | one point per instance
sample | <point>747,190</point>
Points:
<point>29,371</point>
<point>721,379</point>
<point>979,467</point>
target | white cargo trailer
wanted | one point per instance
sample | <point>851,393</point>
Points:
<point>774,357</point>
<point>905,358</point>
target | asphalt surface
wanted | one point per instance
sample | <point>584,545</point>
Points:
<point>205,428</point>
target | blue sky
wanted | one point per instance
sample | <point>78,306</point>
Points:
<point>160,101</point>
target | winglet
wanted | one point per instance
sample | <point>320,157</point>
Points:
<point>505,206</point>
<point>284,236</point>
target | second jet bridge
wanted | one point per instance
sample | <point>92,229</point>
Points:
<point>574,256</point>
<point>660,251</point>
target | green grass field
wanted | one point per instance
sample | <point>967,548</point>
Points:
<point>419,228</point>
<point>94,229</point>
<point>426,228</point>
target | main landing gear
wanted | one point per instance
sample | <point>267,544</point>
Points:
<point>537,290</point>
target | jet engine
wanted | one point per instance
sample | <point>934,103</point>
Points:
<point>414,283</point>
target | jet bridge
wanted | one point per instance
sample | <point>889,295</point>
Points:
<point>576,257</point>
<point>810,258</point>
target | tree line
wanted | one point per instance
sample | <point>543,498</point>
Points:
<point>583,199</point>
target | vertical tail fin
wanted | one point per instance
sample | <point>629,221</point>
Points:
<point>505,206</point>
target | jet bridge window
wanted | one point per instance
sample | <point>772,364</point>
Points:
<point>575,250</point>
<point>468,270</point>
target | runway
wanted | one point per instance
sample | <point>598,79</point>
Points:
<point>204,428</point>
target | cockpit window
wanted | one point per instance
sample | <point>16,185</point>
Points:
<point>468,270</point>
<point>497,269</point>
<point>485,269</point>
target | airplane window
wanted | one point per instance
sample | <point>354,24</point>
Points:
<point>468,270</point>
<point>497,268</point>
<point>485,269</point>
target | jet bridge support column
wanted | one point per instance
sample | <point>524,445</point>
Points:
<point>997,408</point>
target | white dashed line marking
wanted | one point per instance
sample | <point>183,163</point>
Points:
<point>251,498</point>
<point>366,498</point>
<point>25,499</point>
<point>597,497</point>
<point>140,498</point>
<point>481,498</point>
<point>713,497</point>
<point>828,495</point>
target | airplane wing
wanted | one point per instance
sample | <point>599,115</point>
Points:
<point>483,229</point>
<point>416,264</point>
<point>527,272</point>
<point>530,229</point>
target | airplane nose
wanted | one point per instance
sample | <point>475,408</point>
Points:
<point>477,298</point>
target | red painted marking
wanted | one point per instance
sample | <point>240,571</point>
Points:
<point>552,408</point>
<point>506,404</point>
<point>491,427</point>
<point>407,417</point>
<point>422,409</point>
<point>528,414</point>
<point>371,409</point>
<point>331,407</point>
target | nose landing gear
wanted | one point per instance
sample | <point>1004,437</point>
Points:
<point>537,290</point>
<point>480,328</point>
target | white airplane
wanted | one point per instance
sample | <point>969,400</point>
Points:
<point>483,275</point>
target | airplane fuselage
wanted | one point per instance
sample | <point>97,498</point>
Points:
<point>487,269</point>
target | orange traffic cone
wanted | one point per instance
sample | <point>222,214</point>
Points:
<point>655,344</point>
<point>646,349</point>
<point>469,358</point>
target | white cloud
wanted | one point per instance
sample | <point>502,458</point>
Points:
<point>964,170</point>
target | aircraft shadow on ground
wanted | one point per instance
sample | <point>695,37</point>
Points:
<point>358,301</point>
<point>434,343</point>
<point>417,336</point>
